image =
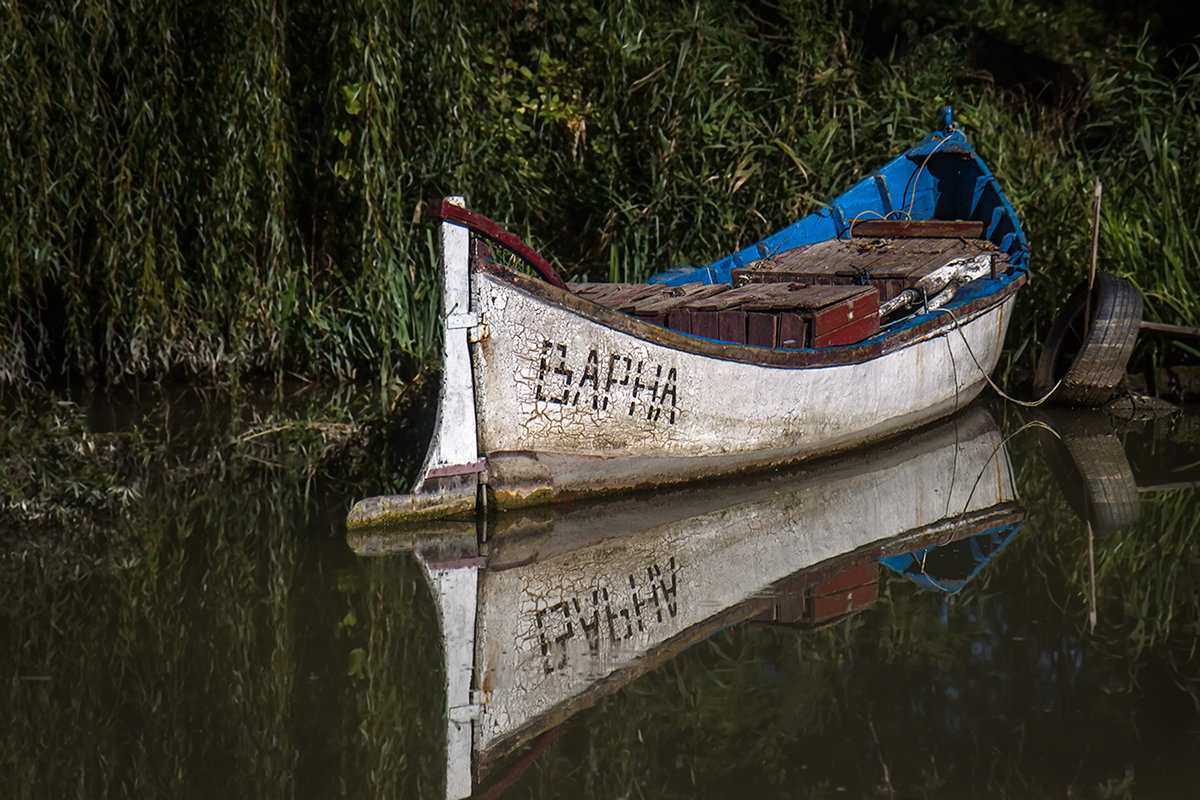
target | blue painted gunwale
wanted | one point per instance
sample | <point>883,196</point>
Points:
<point>982,547</point>
<point>940,177</point>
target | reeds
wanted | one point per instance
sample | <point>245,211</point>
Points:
<point>227,188</point>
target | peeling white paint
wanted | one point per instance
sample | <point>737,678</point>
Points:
<point>550,629</point>
<point>454,436</point>
<point>550,380</point>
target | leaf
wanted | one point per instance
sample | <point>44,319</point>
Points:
<point>358,661</point>
<point>353,95</point>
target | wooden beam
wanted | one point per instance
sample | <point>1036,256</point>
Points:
<point>1181,331</point>
<point>924,228</point>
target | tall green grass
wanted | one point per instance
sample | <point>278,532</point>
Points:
<point>236,187</point>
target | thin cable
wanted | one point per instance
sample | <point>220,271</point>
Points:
<point>917,175</point>
<point>954,466</point>
<point>1003,442</point>
<point>986,377</point>
<point>859,215</point>
<point>915,180</point>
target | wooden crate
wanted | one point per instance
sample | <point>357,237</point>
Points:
<point>770,314</point>
<point>664,308</point>
<point>615,295</point>
<point>830,315</point>
<point>853,590</point>
<point>721,316</point>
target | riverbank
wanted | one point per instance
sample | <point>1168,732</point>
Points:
<point>83,473</point>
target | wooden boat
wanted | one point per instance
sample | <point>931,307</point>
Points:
<point>878,314</point>
<point>564,604</point>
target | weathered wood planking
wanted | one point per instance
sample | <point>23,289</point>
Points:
<point>659,306</point>
<point>811,296</point>
<point>924,228</point>
<point>784,304</point>
<point>816,316</point>
<point>789,315</point>
<point>718,316</point>
<point>836,259</point>
<point>832,315</point>
<point>890,265</point>
<point>615,295</point>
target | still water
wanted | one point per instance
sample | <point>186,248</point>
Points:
<point>1003,605</point>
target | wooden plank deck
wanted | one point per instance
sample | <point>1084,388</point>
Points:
<point>890,265</point>
<point>823,294</point>
<point>770,314</point>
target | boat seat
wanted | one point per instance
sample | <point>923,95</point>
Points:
<point>920,228</point>
<point>764,314</point>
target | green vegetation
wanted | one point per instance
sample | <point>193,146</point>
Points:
<point>230,189</point>
<point>234,187</point>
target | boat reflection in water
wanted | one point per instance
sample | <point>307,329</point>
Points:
<point>562,605</point>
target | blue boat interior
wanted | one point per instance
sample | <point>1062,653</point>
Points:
<point>940,178</point>
<point>950,567</point>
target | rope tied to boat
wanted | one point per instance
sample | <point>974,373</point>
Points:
<point>988,378</point>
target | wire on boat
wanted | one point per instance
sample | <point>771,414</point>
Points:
<point>859,216</point>
<point>988,378</point>
<point>917,176</point>
<point>1035,423</point>
<point>888,216</point>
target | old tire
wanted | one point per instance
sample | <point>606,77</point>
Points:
<point>1090,363</point>
<point>1088,460</point>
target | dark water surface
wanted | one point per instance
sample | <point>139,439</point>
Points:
<point>230,640</point>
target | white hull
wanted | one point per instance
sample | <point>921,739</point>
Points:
<point>568,405</point>
<point>547,396</point>
<point>569,604</point>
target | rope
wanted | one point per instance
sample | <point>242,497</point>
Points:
<point>912,182</point>
<point>859,216</point>
<point>917,175</point>
<point>986,377</point>
<point>971,494</point>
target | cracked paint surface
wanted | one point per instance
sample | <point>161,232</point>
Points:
<point>551,629</point>
<point>551,380</point>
